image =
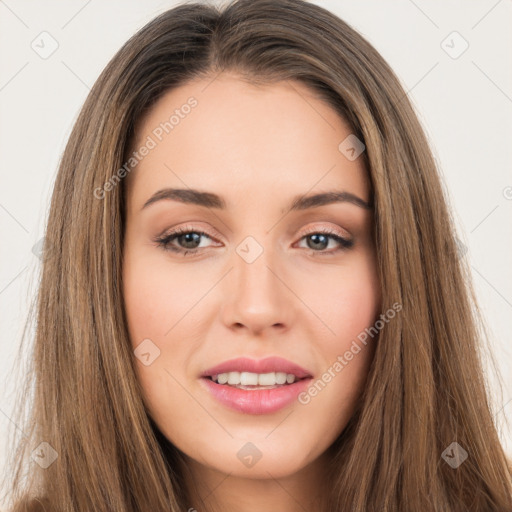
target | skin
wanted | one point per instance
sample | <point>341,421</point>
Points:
<point>257,147</point>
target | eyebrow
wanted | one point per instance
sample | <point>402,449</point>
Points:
<point>210,200</point>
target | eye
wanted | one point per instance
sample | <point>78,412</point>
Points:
<point>319,240</point>
<point>188,241</point>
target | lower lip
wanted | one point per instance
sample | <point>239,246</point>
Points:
<point>257,401</point>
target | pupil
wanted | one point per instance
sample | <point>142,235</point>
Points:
<point>315,238</point>
<point>189,238</point>
<point>319,241</point>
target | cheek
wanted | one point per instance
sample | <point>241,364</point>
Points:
<point>154,299</point>
<point>161,318</point>
<point>346,299</point>
<point>349,302</point>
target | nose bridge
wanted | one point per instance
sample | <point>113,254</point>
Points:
<point>259,299</point>
<point>252,262</point>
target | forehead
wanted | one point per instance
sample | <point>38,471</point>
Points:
<point>224,133</point>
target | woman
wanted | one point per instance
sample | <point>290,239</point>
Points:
<point>254,298</point>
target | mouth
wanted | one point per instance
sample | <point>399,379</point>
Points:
<point>268,369</point>
<point>253,381</point>
<point>256,387</point>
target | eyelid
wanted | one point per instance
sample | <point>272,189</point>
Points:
<point>190,227</point>
<point>164,241</point>
<point>309,229</point>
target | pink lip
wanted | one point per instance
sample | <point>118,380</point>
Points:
<point>260,401</point>
<point>267,365</point>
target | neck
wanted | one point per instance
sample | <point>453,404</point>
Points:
<point>213,491</point>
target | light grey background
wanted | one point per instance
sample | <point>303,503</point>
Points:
<point>464,102</point>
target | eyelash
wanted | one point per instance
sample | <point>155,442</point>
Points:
<point>165,241</point>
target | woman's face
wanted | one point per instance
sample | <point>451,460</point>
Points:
<point>254,278</point>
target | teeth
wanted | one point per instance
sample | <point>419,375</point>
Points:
<point>267,379</point>
<point>249,379</point>
<point>281,377</point>
<point>222,378</point>
<point>254,379</point>
<point>233,378</point>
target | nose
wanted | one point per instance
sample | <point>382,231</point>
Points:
<point>258,298</point>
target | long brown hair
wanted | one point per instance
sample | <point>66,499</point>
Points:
<point>426,387</point>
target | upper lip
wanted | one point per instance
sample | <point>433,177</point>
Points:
<point>267,365</point>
